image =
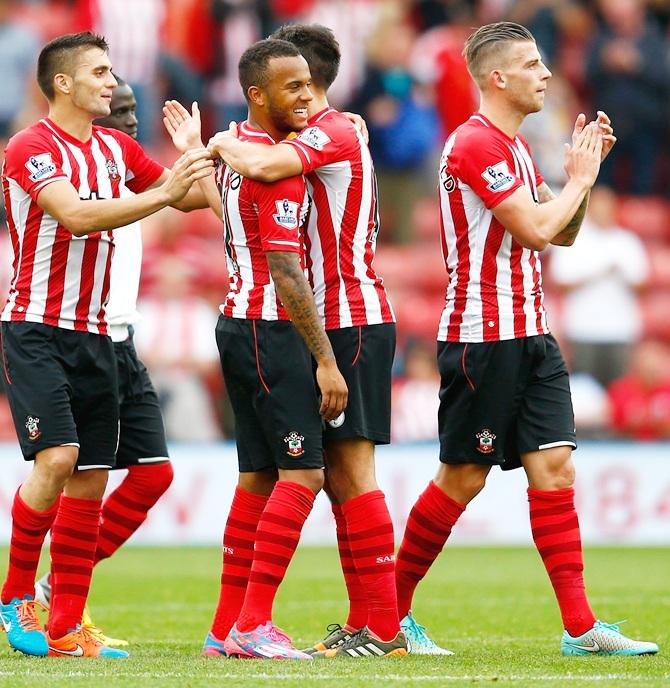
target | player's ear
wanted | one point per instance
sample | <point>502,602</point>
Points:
<point>256,95</point>
<point>497,78</point>
<point>63,83</point>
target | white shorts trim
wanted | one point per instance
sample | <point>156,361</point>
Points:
<point>562,443</point>
<point>153,459</point>
<point>90,468</point>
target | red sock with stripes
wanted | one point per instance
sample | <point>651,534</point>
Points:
<point>238,552</point>
<point>74,536</point>
<point>29,528</point>
<point>370,534</point>
<point>358,604</point>
<point>277,537</point>
<point>428,527</point>
<point>555,527</point>
<point>126,509</point>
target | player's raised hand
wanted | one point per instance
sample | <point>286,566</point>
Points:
<point>580,123</point>
<point>582,158</point>
<point>193,165</point>
<point>334,392</point>
<point>217,144</point>
<point>609,139</point>
<point>183,126</point>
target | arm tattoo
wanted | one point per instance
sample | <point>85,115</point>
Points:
<point>567,236</point>
<point>298,299</point>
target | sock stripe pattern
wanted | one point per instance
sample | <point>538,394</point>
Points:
<point>289,504</point>
<point>74,536</point>
<point>371,542</point>
<point>429,525</point>
<point>238,553</point>
<point>556,534</point>
<point>29,528</point>
<point>126,508</point>
<point>358,604</point>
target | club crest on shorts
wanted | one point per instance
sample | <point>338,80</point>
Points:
<point>294,441</point>
<point>485,438</point>
<point>32,425</point>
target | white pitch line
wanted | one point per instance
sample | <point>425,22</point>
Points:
<point>431,678</point>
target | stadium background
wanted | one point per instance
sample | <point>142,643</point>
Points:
<point>402,70</point>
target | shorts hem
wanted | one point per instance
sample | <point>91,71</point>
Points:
<point>334,436</point>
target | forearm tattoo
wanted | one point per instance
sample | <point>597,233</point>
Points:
<point>298,300</point>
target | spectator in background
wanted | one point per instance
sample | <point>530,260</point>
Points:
<point>19,47</point>
<point>401,119</point>
<point>640,399</point>
<point>601,274</point>
<point>415,396</point>
<point>629,75</point>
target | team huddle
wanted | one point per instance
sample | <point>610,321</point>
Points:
<point>306,338</point>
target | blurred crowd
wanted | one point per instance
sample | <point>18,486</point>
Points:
<point>402,69</point>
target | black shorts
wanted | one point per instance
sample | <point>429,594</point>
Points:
<point>365,358</point>
<point>499,400</point>
<point>141,430</point>
<point>62,390</point>
<point>268,372</point>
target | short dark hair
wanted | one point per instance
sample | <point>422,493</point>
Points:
<point>487,41</point>
<point>119,80</point>
<point>253,65</point>
<point>57,56</point>
<point>318,46</point>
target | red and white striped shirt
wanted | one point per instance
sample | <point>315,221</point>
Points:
<point>258,217</point>
<point>343,223</point>
<point>60,279</point>
<point>495,285</point>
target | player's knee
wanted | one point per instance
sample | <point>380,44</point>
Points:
<point>56,465</point>
<point>462,482</point>
<point>563,475</point>
<point>152,479</point>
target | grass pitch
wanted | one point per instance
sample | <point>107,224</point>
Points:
<point>493,606</point>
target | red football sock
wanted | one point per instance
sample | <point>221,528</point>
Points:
<point>428,527</point>
<point>277,537</point>
<point>358,604</point>
<point>125,510</point>
<point>555,527</point>
<point>238,552</point>
<point>74,536</point>
<point>29,528</point>
<point>370,533</point>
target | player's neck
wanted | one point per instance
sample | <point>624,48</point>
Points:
<point>259,121</point>
<point>73,121</point>
<point>318,103</point>
<point>505,117</point>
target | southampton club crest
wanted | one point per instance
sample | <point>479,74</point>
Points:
<point>112,169</point>
<point>294,441</point>
<point>485,438</point>
<point>32,425</point>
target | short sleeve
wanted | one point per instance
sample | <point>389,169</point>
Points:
<point>141,170</point>
<point>486,165</point>
<point>280,213</point>
<point>319,146</point>
<point>33,162</point>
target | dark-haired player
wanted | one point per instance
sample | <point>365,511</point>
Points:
<point>268,327</point>
<point>65,184</point>
<point>142,449</point>
<point>360,323</point>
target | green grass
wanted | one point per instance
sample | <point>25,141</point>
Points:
<point>493,607</point>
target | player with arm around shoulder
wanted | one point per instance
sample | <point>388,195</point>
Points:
<point>360,323</point>
<point>505,396</point>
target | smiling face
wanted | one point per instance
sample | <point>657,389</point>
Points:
<point>286,94</point>
<point>92,82</point>
<point>522,75</point>
<point>122,116</point>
